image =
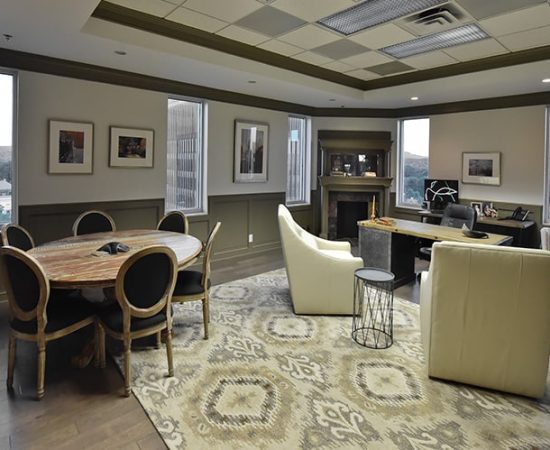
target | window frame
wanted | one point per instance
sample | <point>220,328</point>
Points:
<point>400,173</point>
<point>203,194</point>
<point>307,162</point>
<point>546,199</point>
<point>14,143</point>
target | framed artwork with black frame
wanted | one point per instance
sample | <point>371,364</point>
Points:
<point>251,147</point>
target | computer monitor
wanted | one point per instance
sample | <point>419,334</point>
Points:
<point>437,193</point>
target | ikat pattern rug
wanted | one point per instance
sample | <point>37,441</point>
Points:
<point>268,379</point>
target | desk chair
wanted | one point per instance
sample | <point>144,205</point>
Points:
<point>455,216</point>
<point>36,314</point>
<point>192,285</point>
<point>16,236</point>
<point>144,286</point>
<point>93,222</point>
<point>175,221</point>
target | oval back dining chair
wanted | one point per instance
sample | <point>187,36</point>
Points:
<point>16,236</point>
<point>192,285</point>
<point>143,287</point>
<point>36,315</point>
<point>175,221</point>
<point>93,222</point>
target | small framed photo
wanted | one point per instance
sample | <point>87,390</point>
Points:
<point>131,147</point>
<point>481,168</point>
<point>478,207</point>
<point>70,147</point>
<point>251,140</point>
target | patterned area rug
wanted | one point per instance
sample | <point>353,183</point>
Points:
<point>268,379</point>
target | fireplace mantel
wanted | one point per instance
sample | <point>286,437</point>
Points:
<point>379,186</point>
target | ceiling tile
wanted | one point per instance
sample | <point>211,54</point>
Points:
<point>338,66</point>
<point>429,60</point>
<point>196,20</point>
<point>390,68</point>
<point>340,49</point>
<point>309,37</point>
<point>175,2</point>
<point>362,74</point>
<point>270,21</point>
<point>476,50</point>
<point>154,7</point>
<point>280,47</point>
<point>311,10</point>
<point>242,35</point>
<point>526,19</point>
<point>382,36</point>
<point>366,59</point>
<point>312,58</point>
<point>526,39</point>
<point>481,9</point>
<point>230,11</point>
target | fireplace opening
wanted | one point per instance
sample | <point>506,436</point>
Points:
<point>349,213</point>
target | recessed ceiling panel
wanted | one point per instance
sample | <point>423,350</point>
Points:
<point>366,59</point>
<point>196,20</point>
<point>526,19</point>
<point>338,66</point>
<point>311,10</point>
<point>312,58</point>
<point>390,68</point>
<point>476,50</point>
<point>526,39</point>
<point>280,47</point>
<point>242,35</point>
<point>340,49</point>
<point>309,36</point>
<point>429,60</point>
<point>482,9</point>
<point>157,8</point>
<point>382,36</point>
<point>270,21</point>
<point>224,10</point>
<point>362,74</point>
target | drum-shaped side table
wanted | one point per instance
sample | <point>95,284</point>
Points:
<point>372,323</point>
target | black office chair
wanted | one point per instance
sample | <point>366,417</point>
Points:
<point>454,216</point>
<point>93,222</point>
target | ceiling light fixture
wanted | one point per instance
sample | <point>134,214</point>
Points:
<point>373,12</point>
<point>436,41</point>
<point>331,99</point>
<point>414,99</point>
<point>120,52</point>
<point>546,80</point>
<point>252,81</point>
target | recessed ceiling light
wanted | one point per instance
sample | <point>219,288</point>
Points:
<point>7,36</point>
<point>373,12</point>
<point>120,52</point>
<point>414,99</point>
<point>331,99</point>
<point>546,80</point>
<point>436,41</point>
<point>252,81</point>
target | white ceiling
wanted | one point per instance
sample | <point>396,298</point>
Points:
<point>64,29</point>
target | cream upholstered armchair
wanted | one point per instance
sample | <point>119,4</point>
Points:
<point>545,238</point>
<point>320,272</point>
<point>485,316</point>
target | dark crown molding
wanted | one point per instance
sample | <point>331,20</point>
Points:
<point>72,69</point>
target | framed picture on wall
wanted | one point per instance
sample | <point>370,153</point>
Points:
<point>481,168</point>
<point>70,147</point>
<point>131,147</point>
<point>251,140</point>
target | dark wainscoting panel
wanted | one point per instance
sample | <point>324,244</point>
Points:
<point>55,221</point>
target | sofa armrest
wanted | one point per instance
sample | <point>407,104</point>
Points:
<point>426,313</point>
<point>324,244</point>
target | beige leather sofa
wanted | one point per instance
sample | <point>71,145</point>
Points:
<point>320,272</point>
<point>485,316</point>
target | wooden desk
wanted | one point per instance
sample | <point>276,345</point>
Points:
<point>393,247</point>
<point>522,232</point>
<point>70,264</point>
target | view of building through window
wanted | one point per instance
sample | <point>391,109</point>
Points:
<point>297,191</point>
<point>413,168</point>
<point>6,146</point>
<point>185,156</point>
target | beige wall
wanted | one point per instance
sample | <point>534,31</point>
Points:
<point>518,133</point>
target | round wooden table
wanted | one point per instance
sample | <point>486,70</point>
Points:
<point>70,263</point>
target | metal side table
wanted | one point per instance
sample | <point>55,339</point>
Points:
<point>372,323</point>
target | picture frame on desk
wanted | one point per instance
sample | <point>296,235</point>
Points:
<point>481,168</point>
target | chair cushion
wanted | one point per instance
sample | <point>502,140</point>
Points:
<point>189,283</point>
<point>61,311</point>
<point>112,318</point>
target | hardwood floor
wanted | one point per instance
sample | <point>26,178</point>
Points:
<point>84,408</point>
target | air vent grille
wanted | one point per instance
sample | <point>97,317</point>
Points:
<point>435,20</point>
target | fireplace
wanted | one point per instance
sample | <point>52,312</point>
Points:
<point>345,209</point>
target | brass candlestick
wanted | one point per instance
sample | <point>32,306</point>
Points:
<point>373,209</point>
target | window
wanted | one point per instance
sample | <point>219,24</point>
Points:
<point>546,204</point>
<point>7,106</point>
<point>413,153</point>
<point>186,156</point>
<point>298,162</point>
